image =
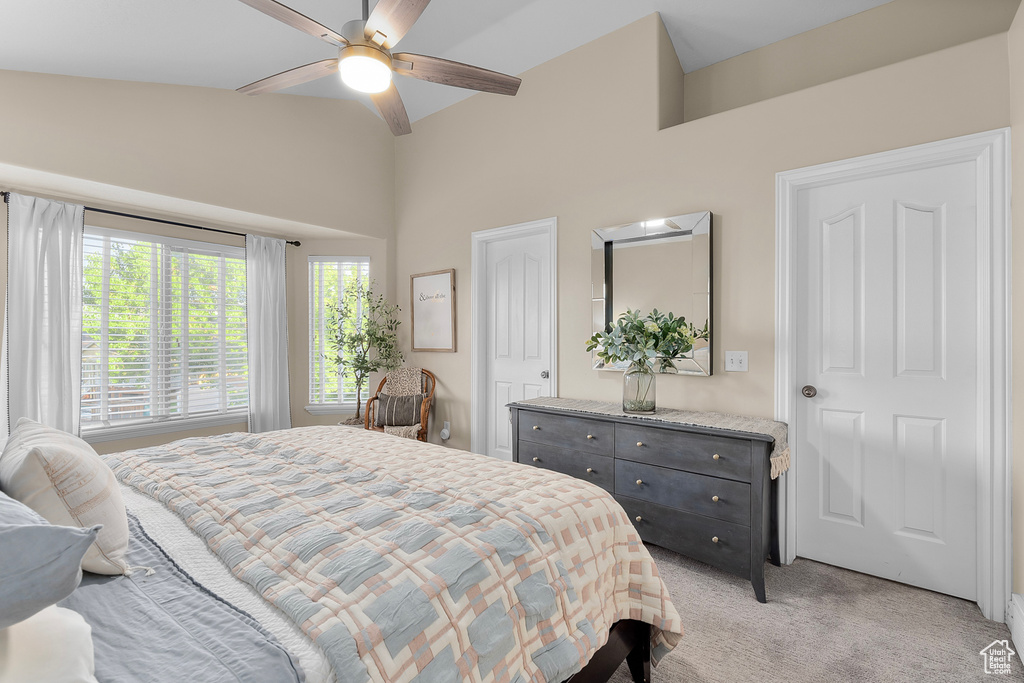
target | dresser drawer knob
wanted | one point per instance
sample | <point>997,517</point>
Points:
<point>639,482</point>
<point>639,444</point>
<point>590,470</point>
<point>716,456</point>
<point>714,539</point>
<point>536,459</point>
<point>590,436</point>
<point>536,427</point>
<point>714,498</point>
<point>639,518</point>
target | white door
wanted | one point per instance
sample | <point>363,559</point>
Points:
<point>886,332</point>
<point>518,345</point>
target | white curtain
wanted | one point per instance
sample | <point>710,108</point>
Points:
<point>267,324</point>
<point>43,331</point>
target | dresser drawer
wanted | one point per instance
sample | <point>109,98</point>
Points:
<point>712,455</point>
<point>691,535</point>
<point>684,490</point>
<point>597,469</point>
<point>565,431</point>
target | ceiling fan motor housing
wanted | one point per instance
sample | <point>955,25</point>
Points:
<point>371,51</point>
<point>355,33</point>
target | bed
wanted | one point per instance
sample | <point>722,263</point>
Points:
<point>376,558</point>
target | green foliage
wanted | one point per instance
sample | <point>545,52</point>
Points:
<point>363,334</point>
<point>639,340</point>
<point>675,336</point>
<point>146,327</point>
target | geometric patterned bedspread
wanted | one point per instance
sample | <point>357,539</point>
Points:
<point>411,562</point>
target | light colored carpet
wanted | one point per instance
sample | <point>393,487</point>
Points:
<point>822,624</point>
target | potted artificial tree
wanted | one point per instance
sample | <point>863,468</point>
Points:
<point>363,329</point>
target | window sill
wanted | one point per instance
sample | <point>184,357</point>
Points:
<point>102,434</point>
<point>331,408</point>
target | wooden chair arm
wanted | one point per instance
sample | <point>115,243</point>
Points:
<point>425,411</point>
<point>366,413</point>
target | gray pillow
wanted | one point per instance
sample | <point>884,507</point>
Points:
<point>398,411</point>
<point>39,563</point>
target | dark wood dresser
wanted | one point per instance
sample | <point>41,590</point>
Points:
<point>700,491</point>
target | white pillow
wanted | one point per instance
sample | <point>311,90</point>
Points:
<point>61,477</point>
<point>51,646</point>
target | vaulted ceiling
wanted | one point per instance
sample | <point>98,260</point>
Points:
<point>226,44</point>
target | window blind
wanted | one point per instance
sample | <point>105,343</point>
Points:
<point>163,329</point>
<point>328,279</point>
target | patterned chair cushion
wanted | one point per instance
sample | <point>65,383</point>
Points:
<point>405,382</point>
<point>409,432</point>
<point>398,411</point>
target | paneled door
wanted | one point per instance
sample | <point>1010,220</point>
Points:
<point>516,314</point>
<point>887,354</point>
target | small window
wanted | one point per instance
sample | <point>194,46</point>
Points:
<point>163,334</point>
<point>330,388</point>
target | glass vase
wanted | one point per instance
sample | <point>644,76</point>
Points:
<point>638,389</point>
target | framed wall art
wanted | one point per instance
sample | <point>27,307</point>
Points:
<point>433,311</point>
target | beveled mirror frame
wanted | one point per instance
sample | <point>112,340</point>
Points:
<point>603,240</point>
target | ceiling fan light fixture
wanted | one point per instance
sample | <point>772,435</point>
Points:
<point>365,69</point>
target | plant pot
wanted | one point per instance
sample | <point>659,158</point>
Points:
<point>638,389</point>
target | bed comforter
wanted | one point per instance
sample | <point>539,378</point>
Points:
<point>411,562</point>
<point>163,627</point>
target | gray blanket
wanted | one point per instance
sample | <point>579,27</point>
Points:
<point>165,627</point>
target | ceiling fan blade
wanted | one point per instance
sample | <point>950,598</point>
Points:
<point>437,70</point>
<point>389,104</point>
<point>294,19</point>
<point>286,79</point>
<point>392,19</point>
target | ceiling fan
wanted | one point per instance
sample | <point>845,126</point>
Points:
<point>366,63</point>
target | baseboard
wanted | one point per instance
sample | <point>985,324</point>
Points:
<point>1015,620</point>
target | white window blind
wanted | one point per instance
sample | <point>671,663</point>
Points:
<point>163,330</point>
<point>328,279</point>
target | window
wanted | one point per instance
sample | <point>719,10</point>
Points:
<point>163,333</point>
<point>329,276</point>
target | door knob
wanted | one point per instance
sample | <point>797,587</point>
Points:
<point>809,391</point>
<point>544,374</point>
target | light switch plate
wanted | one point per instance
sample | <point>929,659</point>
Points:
<point>735,361</point>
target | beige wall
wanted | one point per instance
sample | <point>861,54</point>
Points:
<point>1015,41</point>
<point>564,148</point>
<point>312,160</point>
<point>893,32</point>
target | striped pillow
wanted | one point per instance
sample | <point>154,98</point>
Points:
<point>398,411</point>
<point>61,477</point>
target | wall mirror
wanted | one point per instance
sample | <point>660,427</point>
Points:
<point>662,263</point>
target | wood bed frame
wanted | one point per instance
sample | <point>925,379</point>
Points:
<point>628,640</point>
